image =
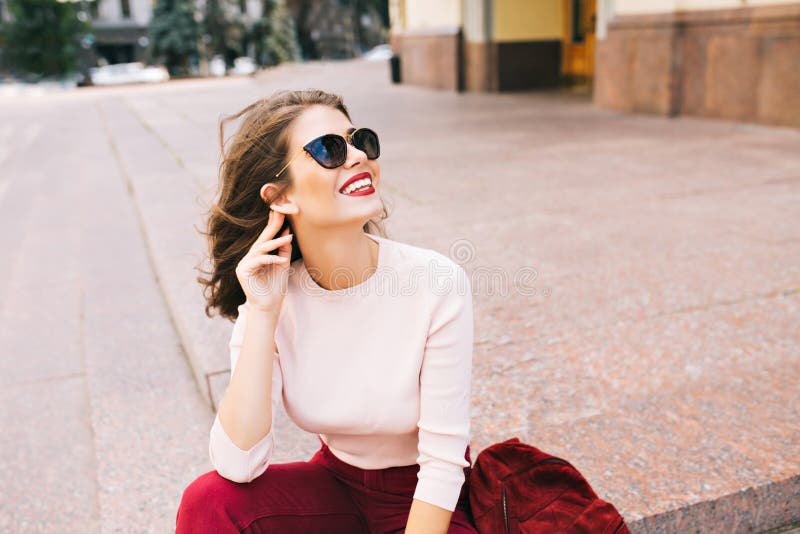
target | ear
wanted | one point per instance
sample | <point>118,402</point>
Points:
<point>283,203</point>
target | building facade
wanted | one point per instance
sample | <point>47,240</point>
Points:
<point>732,59</point>
<point>120,29</point>
<point>494,45</point>
<point>716,58</point>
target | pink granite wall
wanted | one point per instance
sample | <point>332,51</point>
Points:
<point>739,64</point>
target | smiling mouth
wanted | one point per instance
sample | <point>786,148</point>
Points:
<point>359,187</point>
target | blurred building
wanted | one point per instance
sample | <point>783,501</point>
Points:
<point>120,29</point>
<point>734,59</point>
<point>739,60</point>
<point>493,45</point>
<point>327,29</point>
<point>120,26</point>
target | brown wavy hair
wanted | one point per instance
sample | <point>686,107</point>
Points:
<point>256,152</point>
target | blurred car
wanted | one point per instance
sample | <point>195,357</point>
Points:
<point>216,67</point>
<point>381,52</point>
<point>120,73</point>
<point>243,65</point>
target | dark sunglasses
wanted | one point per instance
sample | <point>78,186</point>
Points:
<point>330,150</point>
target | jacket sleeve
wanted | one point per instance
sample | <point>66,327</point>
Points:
<point>228,459</point>
<point>445,388</point>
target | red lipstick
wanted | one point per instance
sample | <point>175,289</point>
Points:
<point>355,178</point>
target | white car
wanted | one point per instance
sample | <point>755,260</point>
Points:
<point>120,73</point>
<point>216,67</point>
<point>243,65</point>
<point>381,52</point>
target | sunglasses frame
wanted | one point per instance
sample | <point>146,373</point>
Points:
<point>348,138</point>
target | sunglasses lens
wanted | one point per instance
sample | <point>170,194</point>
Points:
<point>367,141</point>
<point>330,151</point>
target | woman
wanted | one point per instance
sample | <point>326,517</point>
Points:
<point>366,341</point>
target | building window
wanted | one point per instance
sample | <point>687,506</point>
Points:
<point>126,8</point>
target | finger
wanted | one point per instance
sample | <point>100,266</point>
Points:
<point>267,259</point>
<point>268,246</point>
<point>285,250</point>
<point>274,222</point>
<point>269,232</point>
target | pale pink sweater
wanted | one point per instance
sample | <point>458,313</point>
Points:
<point>380,370</point>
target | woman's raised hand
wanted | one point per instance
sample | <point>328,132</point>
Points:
<point>263,276</point>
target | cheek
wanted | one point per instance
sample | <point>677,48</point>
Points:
<point>375,168</point>
<point>318,187</point>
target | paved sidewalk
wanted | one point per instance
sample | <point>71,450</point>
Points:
<point>657,347</point>
<point>102,422</point>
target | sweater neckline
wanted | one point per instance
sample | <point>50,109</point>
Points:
<point>316,289</point>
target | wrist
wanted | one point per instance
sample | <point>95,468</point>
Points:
<point>262,310</point>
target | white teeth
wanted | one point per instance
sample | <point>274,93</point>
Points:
<point>357,184</point>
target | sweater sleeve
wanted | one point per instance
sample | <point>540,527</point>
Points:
<point>445,383</point>
<point>228,459</point>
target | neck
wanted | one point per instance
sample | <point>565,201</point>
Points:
<point>337,258</point>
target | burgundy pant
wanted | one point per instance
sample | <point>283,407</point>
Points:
<point>322,495</point>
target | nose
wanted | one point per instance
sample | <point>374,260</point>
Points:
<point>354,156</point>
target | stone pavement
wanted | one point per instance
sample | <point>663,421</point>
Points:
<point>650,336</point>
<point>102,423</point>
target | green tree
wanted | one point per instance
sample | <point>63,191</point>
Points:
<point>173,34</point>
<point>275,35</point>
<point>224,29</point>
<point>42,37</point>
